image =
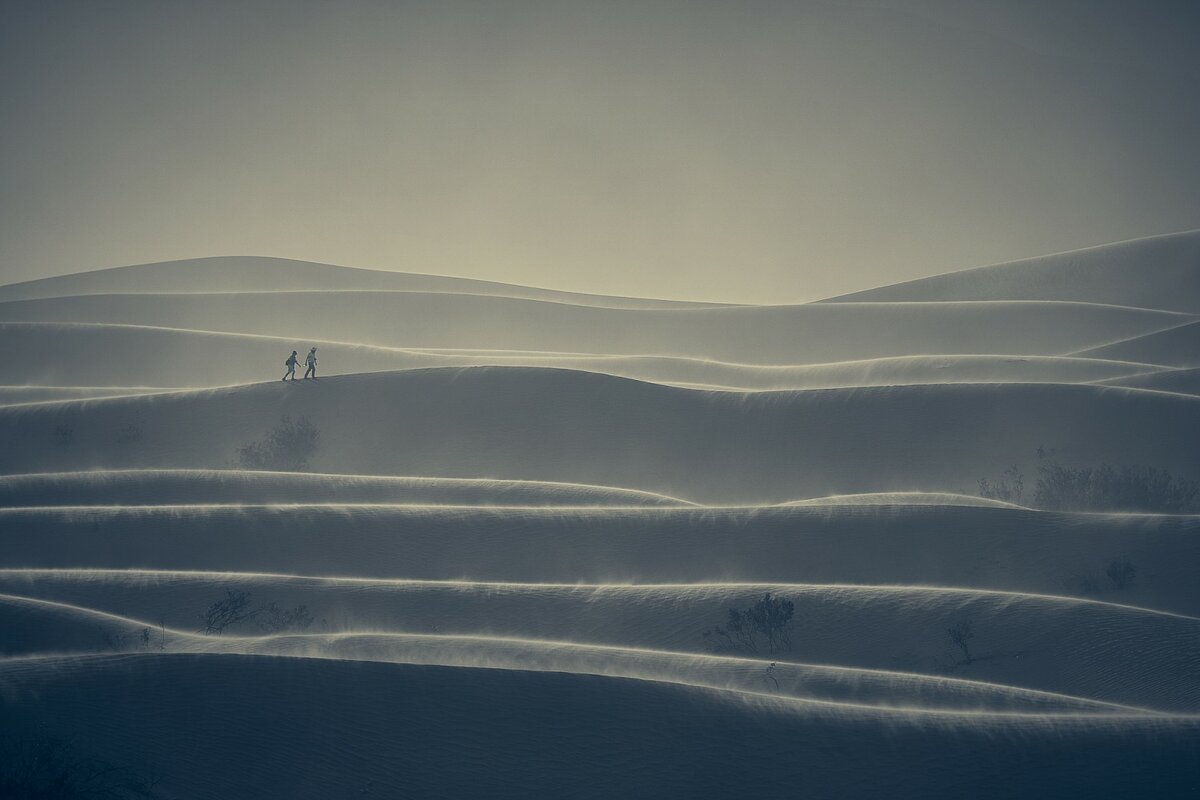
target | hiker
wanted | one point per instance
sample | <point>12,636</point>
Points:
<point>291,365</point>
<point>311,361</point>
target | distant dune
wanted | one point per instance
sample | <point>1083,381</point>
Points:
<point>52,354</point>
<point>261,274</point>
<point>752,335</point>
<point>1155,272</point>
<point>1175,347</point>
<point>539,424</point>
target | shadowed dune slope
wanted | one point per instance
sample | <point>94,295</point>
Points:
<point>754,335</point>
<point>1155,272</point>
<point>262,274</point>
<point>1091,650</point>
<point>1174,347</point>
<point>538,424</point>
<point>163,487</point>
<point>57,353</point>
<point>987,548</point>
<point>51,628</point>
<point>397,729</point>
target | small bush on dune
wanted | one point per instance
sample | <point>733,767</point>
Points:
<point>1121,574</point>
<point>1101,488</point>
<point>231,609</point>
<point>961,636</point>
<point>130,434</point>
<point>1010,487</point>
<point>1106,488</point>
<point>764,625</point>
<point>235,608</point>
<point>273,619</point>
<point>288,447</point>
<point>64,435</point>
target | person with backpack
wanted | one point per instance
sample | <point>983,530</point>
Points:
<point>311,361</point>
<point>291,366</point>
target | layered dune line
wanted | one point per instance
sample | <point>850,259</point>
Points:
<point>52,354</point>
<point>80,630</point>
<point>1096,650</point>
<point>813,333</point>
<point>1152,272</point>
<point>459,731</point>
<point>261,274</point>
<point>248,487</point>
<point>1178,346</point>
<point>985,548</point>
<point>553,425</point>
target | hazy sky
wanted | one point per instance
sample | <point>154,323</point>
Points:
<point>746,151</point>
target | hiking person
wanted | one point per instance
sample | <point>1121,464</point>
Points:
<point>311,361</point>
<point>291,365</point>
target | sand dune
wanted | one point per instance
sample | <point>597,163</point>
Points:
<point>1154,272</point>
<point>54,353</point>
<point>26,393</point>
<point>1182,381</point>
<point>1093,650</point>
<point>44,627</point>
<point>159,487</point>
<point>987,548</point>
<point>539,424</point>
<point>439,731</point>
<point>753,335</point>
<point>526,508</point>
<point>260,274</point>
<point>1174,347</point>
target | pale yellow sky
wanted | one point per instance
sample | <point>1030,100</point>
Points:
<point>753,152</point>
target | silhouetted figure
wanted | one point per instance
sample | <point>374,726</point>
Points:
<point>311,361</point>
<point>291,365</point>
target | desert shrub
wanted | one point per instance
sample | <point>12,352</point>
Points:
<point>1121,574</point>
<point>1102,488</point>
<point>961,636</point>
<point>121,642</point>
<point>764,625</point>
<point>1106,488</point>
<point>231,609</point>
<point>41,767</point>
<point>273,619</point>
<point>63,435</point>
<point>288,447</point>
<point>236,607</point>
<point>1009,487</point>
<point>130,434</point>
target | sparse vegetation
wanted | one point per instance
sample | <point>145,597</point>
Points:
<point>288,447</point>
<point>1106,488</point>
<point>231,609</point>
<point>1099,488</point>
<point>961,635</point>
<point>236,608</point>
<point>765,625</point>
<point>1121,574</point>
<point>64,435</point>
<point>273,619</point>
<point>130,434</point>
<point>1009,487</point>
